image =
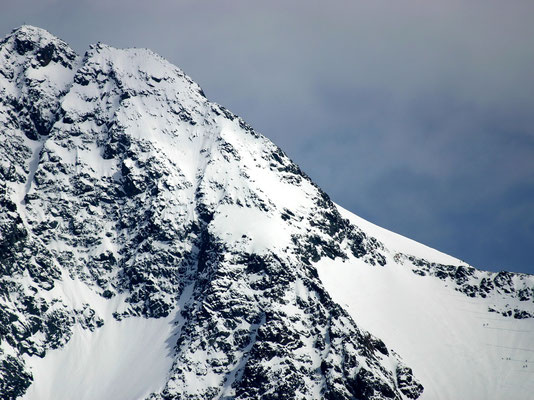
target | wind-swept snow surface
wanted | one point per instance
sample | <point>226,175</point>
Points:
<point>123,360</point>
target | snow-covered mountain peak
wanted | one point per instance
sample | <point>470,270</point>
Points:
<point>129,197</point>
<point>36,70</point>
<point>28,39</point>
<point>36,55</point>
<point>121,178</point>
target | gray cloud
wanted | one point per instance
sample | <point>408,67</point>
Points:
<point>417,115</point>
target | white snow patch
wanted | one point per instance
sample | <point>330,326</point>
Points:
<point>235,224</point>
<point>122,360</point>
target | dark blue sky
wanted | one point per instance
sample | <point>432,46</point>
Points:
<point>416,115</point>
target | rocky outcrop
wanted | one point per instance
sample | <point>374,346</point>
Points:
<point>497,286</point>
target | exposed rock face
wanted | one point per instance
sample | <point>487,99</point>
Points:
<point>117,171</point>
<point>472,282</point>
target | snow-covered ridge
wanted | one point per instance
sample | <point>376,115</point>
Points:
<point>131,203</point>
<point>423,260</point>
<point>467,334</point>
<point>397,243</point>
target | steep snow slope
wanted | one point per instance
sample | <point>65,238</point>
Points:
<point>122,360</point>
<point>456,347</point>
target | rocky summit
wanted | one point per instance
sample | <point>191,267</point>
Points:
<point>154,246</point>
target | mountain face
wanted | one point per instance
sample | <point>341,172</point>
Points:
<point>154,246</point>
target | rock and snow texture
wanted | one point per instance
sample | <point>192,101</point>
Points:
<point>149,234</point>
<point>120,179</point>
